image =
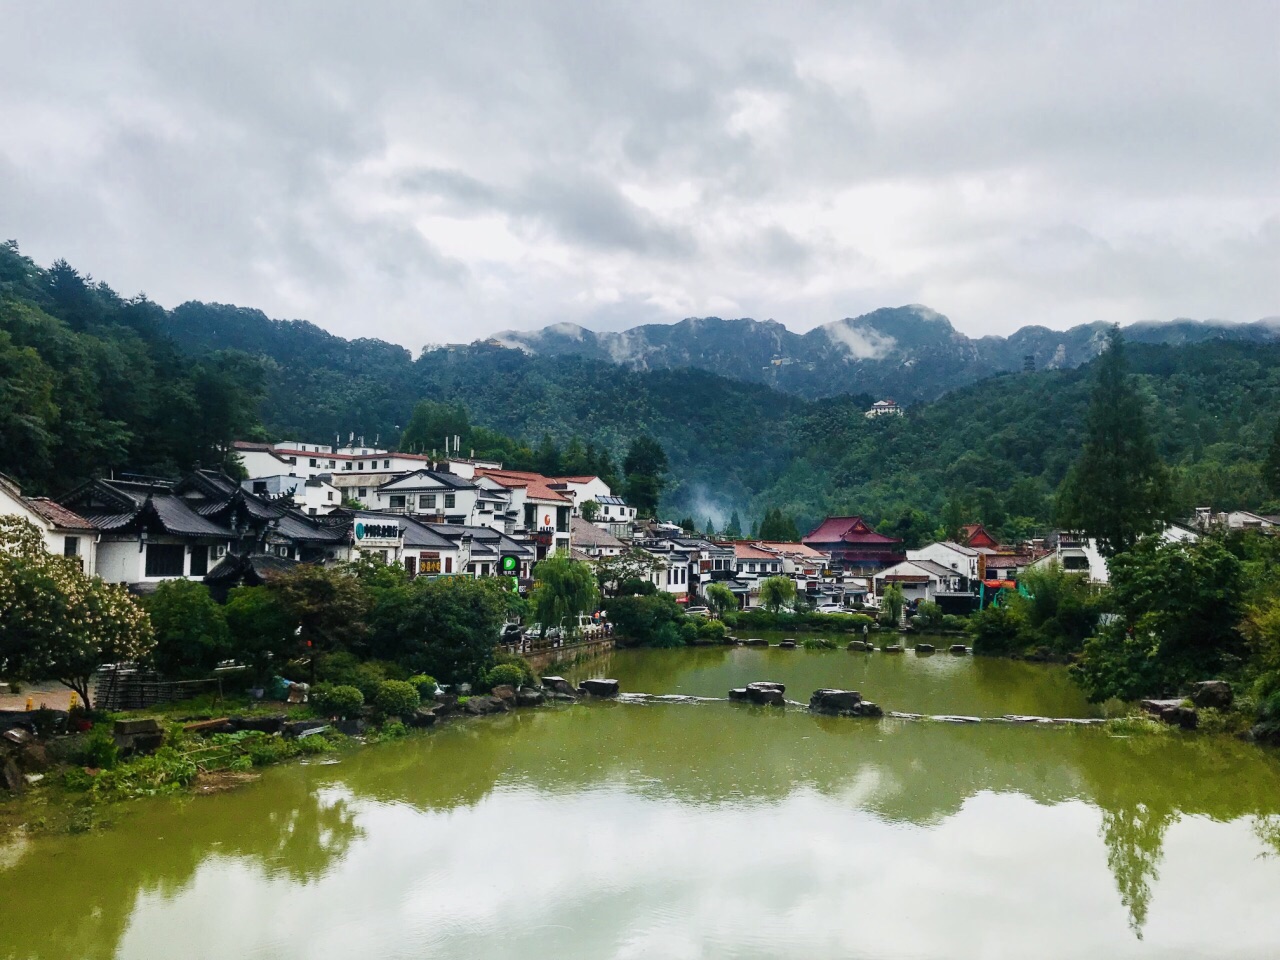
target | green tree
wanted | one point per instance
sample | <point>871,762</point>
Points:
<point>1118,490</point>
<point>260,629</point>
<point>720,598</point>
<point>645,468</point>
<point>631,565</point>
<point>547,457</point>
<point>892,602</point>
<point>776,593</point>
<point>59,624</point>
<point>447,628</point>
<point>563,588</point>
<point>190,629</point>
<point>589,510</point>
<point>954,515</point>
<point>778,527</point>
<point>574,462</point>
<point>655,620</point>
<point>432,423</point>
<point>1271,465</point>
<point>326,605</point>
<point>733,531</point>
<point>1179,608</point>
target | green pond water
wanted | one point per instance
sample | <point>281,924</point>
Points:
<point>697,829</point>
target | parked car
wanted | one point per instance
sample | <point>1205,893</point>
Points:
<point>832,608</point>
<point>699,612</point>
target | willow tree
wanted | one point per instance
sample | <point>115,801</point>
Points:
<point>1118,490</point>
<point>776,593</point>
<point>563,588</point>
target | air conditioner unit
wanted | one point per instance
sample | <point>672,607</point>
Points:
<point>219,552</point>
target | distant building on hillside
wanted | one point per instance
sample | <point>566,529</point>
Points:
<point>883,408</point>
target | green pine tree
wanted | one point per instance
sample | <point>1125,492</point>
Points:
<point>1118,490</point>
<point>1271,466</point>
<point>734,530</point>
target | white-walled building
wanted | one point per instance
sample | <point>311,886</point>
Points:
<point>312,495</point>
<point>433,496</point>
<point>954,556</point>
<point>66,533</point>
<point>536,510</point>
<point>919,579</point>
<point>594,542</point>
<point>148,532</point>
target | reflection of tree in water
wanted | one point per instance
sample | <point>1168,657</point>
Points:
<point>1134,836</point>
<point>1267,829</point>
<point>1143,784</point>
<point>75,896</point>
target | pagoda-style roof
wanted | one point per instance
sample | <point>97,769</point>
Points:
<point>850,530</point>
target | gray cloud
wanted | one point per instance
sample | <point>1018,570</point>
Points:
<point>436,172</point>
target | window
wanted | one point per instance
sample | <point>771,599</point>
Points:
<point>71,547</point>
<point>330,496</point>
<point>259,486</point>
<point>360,465</point>
<point>315,462</point>
<point>199,561</point>
<point>311,510</point>
<point>165,559</point>
<point>362,491</point>
<point>397,501</point>
<point>448,564</point>
<point>386,464</point>
<point>449,501</point>
<point>427,501</point>
<point>347,465</point>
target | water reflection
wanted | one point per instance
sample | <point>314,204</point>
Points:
<point>700,830</point>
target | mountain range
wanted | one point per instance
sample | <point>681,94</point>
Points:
<point>909,353</point>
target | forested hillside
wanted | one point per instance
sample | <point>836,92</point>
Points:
<point>94,382</point>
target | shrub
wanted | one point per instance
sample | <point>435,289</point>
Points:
<point>100,749</point>
<point>426,685</point>
<point>397,698</point>
<point>345,669</point>
<point>929,615</point>
<point>951,622</point>
<point>393,730</point>
<point>688,632</point>
<point>817,643</point>
<point>996,631</point>
<point>711,630</point>
<point>341,701</point>
<point>515,660</point>
<point>505,673</point>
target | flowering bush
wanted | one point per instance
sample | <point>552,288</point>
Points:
<point>59,623</point>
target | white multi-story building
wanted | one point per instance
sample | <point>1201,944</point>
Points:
<point>535,509</point>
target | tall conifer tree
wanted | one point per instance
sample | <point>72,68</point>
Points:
<point>1118,490</point>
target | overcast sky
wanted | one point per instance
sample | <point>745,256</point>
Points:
<point>432,172</point>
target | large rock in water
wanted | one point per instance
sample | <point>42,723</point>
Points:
<point>559,685</point>
<point>757,642</point>
<point>787,645</point>
<point>479,705</point>
<point>766,693</point>
<point>924,648</point>
<point>504,691</point>
<point>601,688</point>
<point>1172,712</point>
<point>1215,694</point>
<point>528,697</point>
<point>838,703</point>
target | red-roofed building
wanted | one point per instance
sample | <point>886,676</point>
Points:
<point>975,535</point>
<point>853,545</point>
<point>537,507</point>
